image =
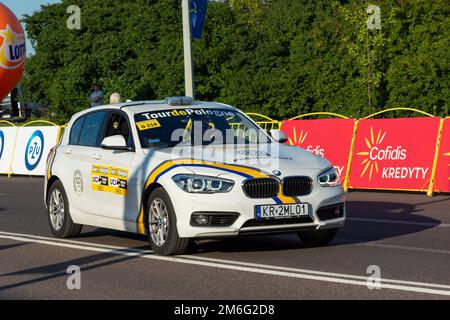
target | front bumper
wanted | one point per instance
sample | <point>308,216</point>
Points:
<point>186,204</point>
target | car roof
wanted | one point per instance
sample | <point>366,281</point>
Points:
<point>136,107</point>
<point>146,106</point>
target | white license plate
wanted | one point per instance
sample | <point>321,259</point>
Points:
<point>279,211</point>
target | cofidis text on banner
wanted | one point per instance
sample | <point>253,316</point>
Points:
<point>394,154</point>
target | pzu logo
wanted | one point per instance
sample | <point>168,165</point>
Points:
<point>34,150</point>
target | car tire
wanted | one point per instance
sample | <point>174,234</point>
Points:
<point>58,212</point>
<point>162,225</point>
<point>317,237</point>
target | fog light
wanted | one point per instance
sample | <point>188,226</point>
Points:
<point>331,212</point>
<point>201,220</point>
<point>337,212</point>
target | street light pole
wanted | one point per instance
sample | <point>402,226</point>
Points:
<point>187,40</point>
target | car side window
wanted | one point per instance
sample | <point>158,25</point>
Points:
<point>76,130</point>
<point>118,125</point>
<point>92,129</point>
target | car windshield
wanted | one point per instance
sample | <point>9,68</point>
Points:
<point>189,126</point>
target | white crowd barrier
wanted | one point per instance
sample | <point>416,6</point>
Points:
<point>7,141</point>
<point>24,150</point>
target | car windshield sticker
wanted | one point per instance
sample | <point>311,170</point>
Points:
<point>148,124</point>
<point>187,112</point>
<point>109,179</point>
<point>154,140</point>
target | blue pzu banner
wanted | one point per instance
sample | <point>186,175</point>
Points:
<point>198,16</point>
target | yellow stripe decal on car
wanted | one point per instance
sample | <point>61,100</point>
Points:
<point>247,172</point>
<point>50,164</point>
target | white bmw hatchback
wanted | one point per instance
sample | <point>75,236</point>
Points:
<point>178,170</point>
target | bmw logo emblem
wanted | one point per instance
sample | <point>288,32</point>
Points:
<point>34,150</point>
<point>277,172</point>
<point>2,143</point>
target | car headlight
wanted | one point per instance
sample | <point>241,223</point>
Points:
<point>202,184</point>
<point>329,178</point>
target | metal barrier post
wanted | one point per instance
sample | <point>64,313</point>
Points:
<point>436,158</point>
<point>14,148</point>
<point>350,157</point>
<point>10,171</point>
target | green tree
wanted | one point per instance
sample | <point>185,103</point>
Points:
<point>277,57</point>
<point>131,47</point>
<point>364,46</point>
<point>418,72</point>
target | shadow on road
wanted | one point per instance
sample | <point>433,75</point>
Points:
<point>57,270</point>
<point>358,231</point>
<point>11,246</point>
<point>361,230</point>
<point>391,210</point>
<point>97,233</point>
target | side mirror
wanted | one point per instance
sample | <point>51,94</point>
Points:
<point>116,142</point>
<point>278,135</point>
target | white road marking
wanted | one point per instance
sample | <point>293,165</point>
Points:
<point>409,286</point>
<point>390,246</point>
<point>76,242</point>
<point>405,222</point>
<point>323,273</point>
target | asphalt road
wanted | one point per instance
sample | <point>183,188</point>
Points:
<point>406,236</point>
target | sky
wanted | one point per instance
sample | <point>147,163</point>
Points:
<point>21,7</point>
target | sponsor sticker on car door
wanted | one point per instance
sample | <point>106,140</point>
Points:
<point>109,179</point>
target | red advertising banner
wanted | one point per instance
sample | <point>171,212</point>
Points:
<point>394,154</point>
<point>442,181</point>
<point>329,138</point>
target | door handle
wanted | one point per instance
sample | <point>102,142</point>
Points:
<point>68,151</point>
<point>96,156</point>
